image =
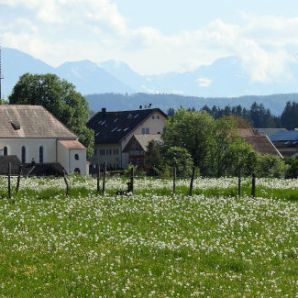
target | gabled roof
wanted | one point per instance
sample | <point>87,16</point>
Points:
<point>29,121</point>
<point>260,143</point>
<point>72,144</point>
<point>111,127</point>
<point>289,135</point>
<point>143,141</point>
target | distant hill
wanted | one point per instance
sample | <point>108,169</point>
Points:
<point>88,77</point>
<point>114,102</point>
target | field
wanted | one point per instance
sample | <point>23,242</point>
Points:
<point>151,243</point>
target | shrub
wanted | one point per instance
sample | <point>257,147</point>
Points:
<point>270,166</point>
<point>180,159</point>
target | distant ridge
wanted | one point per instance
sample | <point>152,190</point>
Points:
<point>114,102</point>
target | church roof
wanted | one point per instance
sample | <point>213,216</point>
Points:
<point>29,121</point>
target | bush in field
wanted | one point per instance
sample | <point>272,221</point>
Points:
<point>241,158</point>
<point>180,159</point>
<point>292,168</point>
<point>270,166</point>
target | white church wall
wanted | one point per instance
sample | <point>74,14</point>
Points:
<point>14,147</point>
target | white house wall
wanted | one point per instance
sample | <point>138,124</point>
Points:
<point>63,157</point>
<point>14,147</point>
<point>78,164</point>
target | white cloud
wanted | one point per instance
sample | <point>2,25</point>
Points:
<point>204,82</point>
<point>59,30</point>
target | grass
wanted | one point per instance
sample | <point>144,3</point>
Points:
<point>150,244</point>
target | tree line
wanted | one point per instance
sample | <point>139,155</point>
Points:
<point>257,115</point>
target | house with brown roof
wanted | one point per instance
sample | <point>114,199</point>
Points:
<point>137,147</point>
<point>114,130</point>
<point>260,142</point>
<point>35,136</point>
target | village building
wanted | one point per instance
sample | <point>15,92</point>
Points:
<point>261,143</point>
<point>34,136</point>
<point>286,142</point>
<point>122,137</point>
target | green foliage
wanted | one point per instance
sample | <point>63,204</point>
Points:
<point>289,117</point>
<point>153,158</point>
<point>193,131</point>
<point>241,158</point>
<point>180,159</point>
<point>60,98</point>
<point>292,167</point>
<point>270,166</point>
<point>224,135</point>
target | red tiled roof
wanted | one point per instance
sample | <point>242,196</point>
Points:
<point>72,144</point>
<point>260,143</point>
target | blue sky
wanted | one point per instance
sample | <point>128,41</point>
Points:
<point>156,36</point>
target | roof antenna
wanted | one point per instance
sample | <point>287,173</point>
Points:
<point>1,78</point>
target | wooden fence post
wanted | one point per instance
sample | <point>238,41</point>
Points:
<point>19,178</point>
<point>239,184</point>
<point>253,185</point>
<point>66,183</point>
<point>98,178</point>
<point>192,180</point>
<point>132,177</point>
<point>9,180</point>
<point>104,179</point>
<point>174,180</point>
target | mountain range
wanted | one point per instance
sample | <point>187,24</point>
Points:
<point>220,83</point>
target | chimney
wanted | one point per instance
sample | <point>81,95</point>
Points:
<point>103,110</point>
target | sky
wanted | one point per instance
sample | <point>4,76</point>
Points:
<point>156,36</point>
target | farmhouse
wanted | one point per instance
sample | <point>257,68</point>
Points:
<point>261,143</point>
<point>286,142</point>
<point>115,130</point>
<point>34,136</point>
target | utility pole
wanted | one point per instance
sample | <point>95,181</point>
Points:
<point>1,77</point>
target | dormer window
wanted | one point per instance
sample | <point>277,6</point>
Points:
<point>15,125</point>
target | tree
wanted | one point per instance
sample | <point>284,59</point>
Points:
<point>289,117</point>
<point>240,157</point>
<point>224,135</point>
<point>153,158</point>
<point>60,98</point>
<point>192,131</point>
<point>270,166</point>
<point>180,159</point>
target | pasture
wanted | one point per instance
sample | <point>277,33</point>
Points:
<point>151,243</point>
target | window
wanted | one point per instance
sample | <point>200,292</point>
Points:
<point>153,117</point>
<point>145,130</point>
<point>102,152</point>
<point>41,154</point>
<point>76,156</point>
<point>109,152</point>
<point>5,151</point>
<point>23,153</point>
<point>116,151</point>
